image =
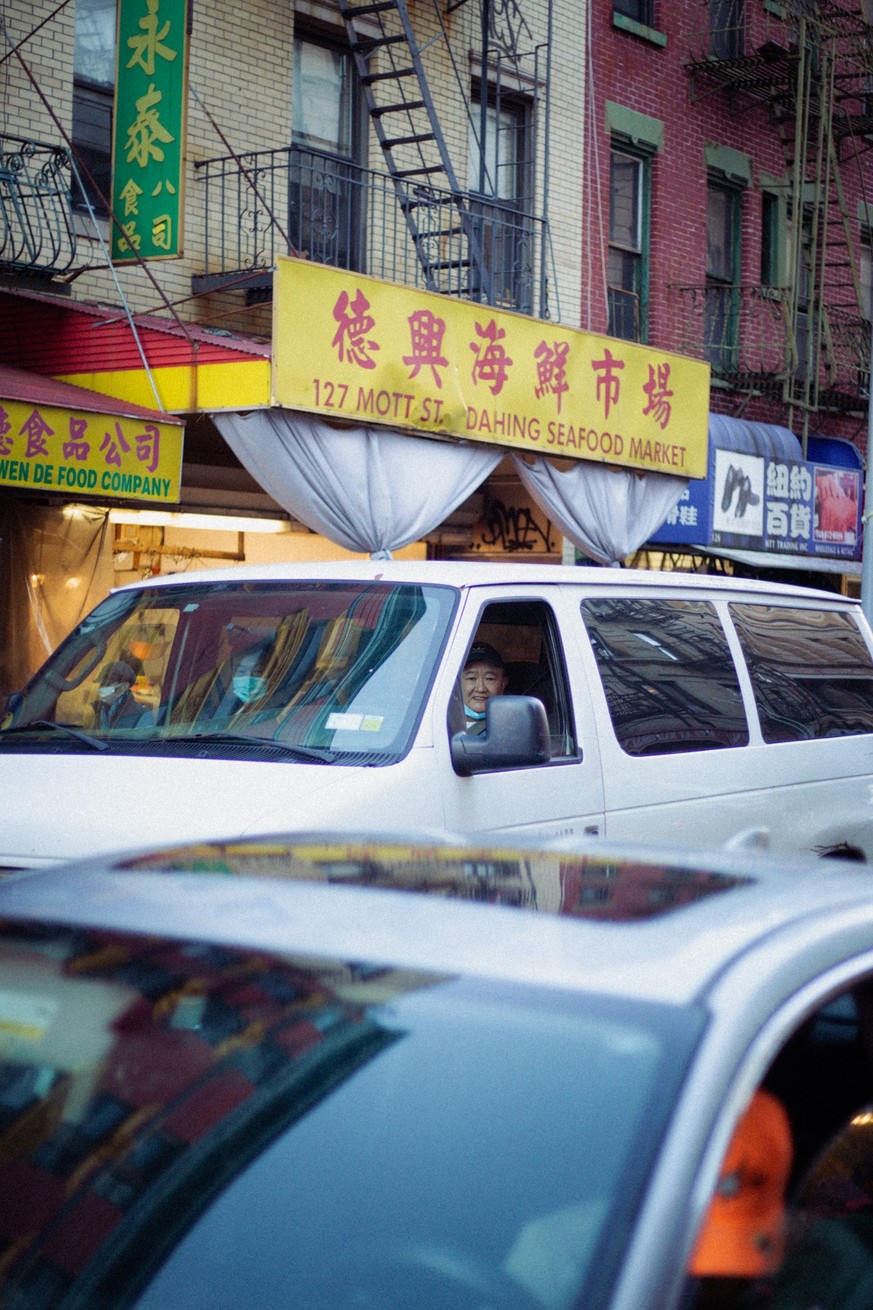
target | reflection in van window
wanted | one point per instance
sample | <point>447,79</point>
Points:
<point>811,671</point>
<point>322,671</point>
<point>668,675</point>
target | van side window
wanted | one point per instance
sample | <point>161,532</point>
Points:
<point>811,671</point>
<point>668,675</point>
<point>526,636</point>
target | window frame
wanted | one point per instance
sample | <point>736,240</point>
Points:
<point>638,253</point>
<point>561,717</point>
<point>93,99</point>
<point>638,11</point>
<point>327,186</point>
<point>504,229</point>
<point>723,313</point>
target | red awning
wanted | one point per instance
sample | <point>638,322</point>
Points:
<point>34,388</point>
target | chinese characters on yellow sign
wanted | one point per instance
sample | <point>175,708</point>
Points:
<point>43,448</point>
<point>148,154</point>
<point>353,348</point>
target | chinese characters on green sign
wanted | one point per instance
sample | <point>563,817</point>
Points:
<point>148,149</point>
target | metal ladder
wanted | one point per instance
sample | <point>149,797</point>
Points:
<point>445,231</point>
<point>812,155</point>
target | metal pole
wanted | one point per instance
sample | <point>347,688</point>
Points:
<point>867,537</point>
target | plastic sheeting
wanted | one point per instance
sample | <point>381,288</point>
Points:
<point>53,570</point>
<point>608,513</point>
<point>367,489</point>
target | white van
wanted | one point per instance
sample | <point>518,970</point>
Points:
<point>656,707</point>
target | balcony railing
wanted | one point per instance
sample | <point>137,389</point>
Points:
<point>747,334</point>
<point>744,331</point>
<point>37,229</point>
<point>293,201</point>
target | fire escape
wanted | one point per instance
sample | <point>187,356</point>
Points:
<point>421,220</point>
<point>802,340</point>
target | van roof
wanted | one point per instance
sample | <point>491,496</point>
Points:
<point>463,573</point>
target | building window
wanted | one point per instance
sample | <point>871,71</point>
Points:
<point>641,11</point>
<point>497,172</point>
<point>326,181</point>
<point>865,271</point>
<point>628,261</point>
<point>800,265</point>
<point>726,28</point>
<point>93,90</point>
<point>771,228</point>
<point>723,226</point>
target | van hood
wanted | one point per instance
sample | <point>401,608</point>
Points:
<point>60,809</point>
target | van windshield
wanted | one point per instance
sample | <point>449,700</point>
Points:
<point>318,671</point>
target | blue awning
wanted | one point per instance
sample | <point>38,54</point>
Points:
<point>749,438</point>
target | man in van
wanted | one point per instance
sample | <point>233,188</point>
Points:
<point>484,675</point>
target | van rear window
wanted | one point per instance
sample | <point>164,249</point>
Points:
<point>668,675</point>
<point>811,671</point>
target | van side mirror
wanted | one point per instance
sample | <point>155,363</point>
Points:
<point>516,736</point>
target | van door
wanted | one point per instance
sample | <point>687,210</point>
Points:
<point>679,760</point>
<point>722,717</point>
<point>562,798</point>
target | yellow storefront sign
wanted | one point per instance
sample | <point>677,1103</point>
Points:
<point>48,448</point>
<point>356,349</point>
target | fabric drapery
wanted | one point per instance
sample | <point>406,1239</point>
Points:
<point>608,513</point>
<point>375,490</point>
<point>365,488</point>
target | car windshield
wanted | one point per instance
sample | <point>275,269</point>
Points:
<point>315,671</point>
<point>184,1125</point>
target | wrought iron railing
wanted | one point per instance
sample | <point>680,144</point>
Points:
<point>37,227</point>
<point>293,201</point>
<point>750,338</point>
<point>744,331</point>
<point>845,358</point>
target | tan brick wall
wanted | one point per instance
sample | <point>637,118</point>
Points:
<point>240,76</point>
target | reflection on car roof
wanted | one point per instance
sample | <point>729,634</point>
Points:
<point>590,886</point>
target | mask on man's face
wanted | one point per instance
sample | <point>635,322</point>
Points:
<point>111,690</point>
<point>246,687</point>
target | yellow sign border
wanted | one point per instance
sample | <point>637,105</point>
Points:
<point>357,349</point>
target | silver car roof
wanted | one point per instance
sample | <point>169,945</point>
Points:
<point>674,956</point>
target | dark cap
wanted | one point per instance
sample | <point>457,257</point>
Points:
<point>482,653</point>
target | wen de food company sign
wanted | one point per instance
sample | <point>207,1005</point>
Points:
<point>50,448</point>
<point>351,347</point>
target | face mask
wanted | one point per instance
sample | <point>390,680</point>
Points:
<point>248,688</point>
<point>110,690</point>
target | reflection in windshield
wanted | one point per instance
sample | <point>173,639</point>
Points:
<point>338,669</point>
<point>185,1125</point>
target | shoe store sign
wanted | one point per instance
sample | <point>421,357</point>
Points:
<point>148,148</point>
<point>754,502</point>
<point>359,350</point>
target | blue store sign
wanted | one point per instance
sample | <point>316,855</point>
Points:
<point>766,498</point>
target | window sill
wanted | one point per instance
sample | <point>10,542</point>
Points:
<point>638,29</point>
<point>86,230</point>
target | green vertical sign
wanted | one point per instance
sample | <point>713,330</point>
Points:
<point>148,145</point>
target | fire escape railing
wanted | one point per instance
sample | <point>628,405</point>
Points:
<point>754,341</point>
<point>37,224</point>
<point>267,203</point>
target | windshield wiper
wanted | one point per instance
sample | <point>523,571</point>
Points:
<point>93,742</point>
<point>316,754</point>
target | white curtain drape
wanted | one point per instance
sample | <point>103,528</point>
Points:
<point>374,490</point>
<point>608,513</point>
<point>367,489</point>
